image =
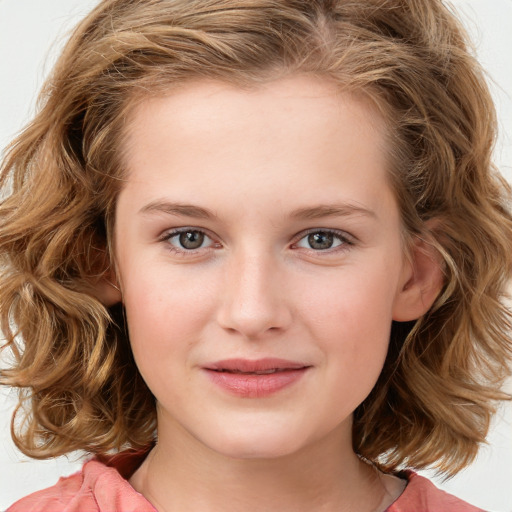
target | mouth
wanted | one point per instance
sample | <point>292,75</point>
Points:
<point>258,366</point>
<point>256,372</point>
<point>255,378</point>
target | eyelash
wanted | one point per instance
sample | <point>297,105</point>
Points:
<point>345,240</point>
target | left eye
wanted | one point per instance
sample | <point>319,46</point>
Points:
<point>189,239</point>
<point>321,240</point>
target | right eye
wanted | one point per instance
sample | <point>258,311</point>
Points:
<point>185,240</point>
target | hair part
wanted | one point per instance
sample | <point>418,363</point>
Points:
<point>79,383</point>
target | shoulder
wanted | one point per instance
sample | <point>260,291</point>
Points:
<point>95,488</point>
<point>422,495</point>
<point>55,498</point>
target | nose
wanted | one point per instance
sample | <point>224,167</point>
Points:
<point>254,300</point>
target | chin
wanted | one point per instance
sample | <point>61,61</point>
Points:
<point>269,442</point>
<point>239,449</point>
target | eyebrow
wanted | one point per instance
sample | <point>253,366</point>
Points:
<point>332,210</point>
<point>315,212</point>
<point>180,209</point>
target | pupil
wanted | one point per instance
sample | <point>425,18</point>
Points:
<point>320,241</point>
<point>191,239</point>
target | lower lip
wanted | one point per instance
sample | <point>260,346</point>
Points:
<point>255,386</point>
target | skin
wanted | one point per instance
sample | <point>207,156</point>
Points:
<point>264,163</point>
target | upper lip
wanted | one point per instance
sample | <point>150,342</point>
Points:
<point>255,365</point>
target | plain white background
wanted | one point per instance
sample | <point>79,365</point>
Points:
<point>31,33</point>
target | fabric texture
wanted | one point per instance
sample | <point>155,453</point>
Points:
<point>421,495</point>
<point>102,486</point>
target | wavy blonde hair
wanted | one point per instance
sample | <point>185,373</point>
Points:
<point>80,388</point>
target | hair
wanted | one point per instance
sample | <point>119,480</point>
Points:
<point>79,386</point>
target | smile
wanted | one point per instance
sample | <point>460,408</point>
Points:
<point>255,378</point>
<point>259,372</point>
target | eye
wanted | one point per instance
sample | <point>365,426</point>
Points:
<point>323,240</point>
<point>188,239</point>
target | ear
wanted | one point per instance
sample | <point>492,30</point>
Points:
<point>106,288</point>
<point>421,282</point>
<point>104,282</point>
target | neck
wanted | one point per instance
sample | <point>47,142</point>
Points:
<point>324,476</point>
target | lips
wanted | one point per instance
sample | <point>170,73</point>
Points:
<point>255,378</point>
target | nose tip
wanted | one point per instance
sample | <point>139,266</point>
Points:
<point>250,327</point>
<point>254,303</point>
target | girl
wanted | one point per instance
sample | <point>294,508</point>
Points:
<point>255,257</point>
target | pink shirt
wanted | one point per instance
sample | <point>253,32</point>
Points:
<point>103,487</point>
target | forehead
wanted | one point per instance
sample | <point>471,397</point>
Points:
<point>196,104</point>
<point>297,134</point>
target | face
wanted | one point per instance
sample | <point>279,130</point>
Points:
<point>258,249</point>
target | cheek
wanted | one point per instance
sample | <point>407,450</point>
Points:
<point>166,312</point>
<point>351,320</point>
<point>362,302</point>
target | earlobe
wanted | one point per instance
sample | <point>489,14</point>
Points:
<point>421,284</point>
